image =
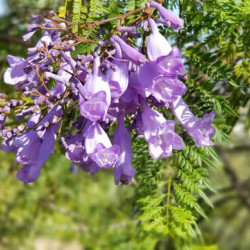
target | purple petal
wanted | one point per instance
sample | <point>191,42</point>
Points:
<point>200,130</point>
<point>159,133</point>
<point>105,157</point>
<point>118,79</point>
<point>15,73</point>
<point>90,166</point>
<point>95,108</point>
<point>167,16</point>
<point>128,52</point>
<point>157,44</point>
<point>32,167</point>
<point>167,89</point>
<point>169,65</point>
<point>124,171</point>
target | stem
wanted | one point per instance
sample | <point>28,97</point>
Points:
<point>41,80</point>
<point>111,19</point>
<point>179,32</point>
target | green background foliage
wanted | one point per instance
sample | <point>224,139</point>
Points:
<point>198,198</point>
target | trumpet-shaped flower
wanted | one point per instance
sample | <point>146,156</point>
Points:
<point>118,77</point>
<point>157,45</point>
<point>34,147</point>
<point>128,52</point>
<point>159,133</point>
<point>74,148</point>
<point>97,87</point>
<point>16,72</point>
<point>168,17</point>
<point>124,171</point>
<point>167,89</point>
<point>200,130</point>
<point>99,148</point>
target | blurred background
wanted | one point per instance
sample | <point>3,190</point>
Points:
<point>69,209</point>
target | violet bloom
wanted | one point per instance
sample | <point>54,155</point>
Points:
<point>16,72</point>
<point>159,133</point>
<point>128,52</point>
<point>34,147</point>
<point>32,28</point>
<point>132,30</point>
<point>168,17</point>
<point>118,77</point>
<point>99,148</point>
<point>33,153</point>
<point>2,120</point>
<point>170,65</point>
<point>74,148</point>
<point>166,89</point>
<point>143,78</point>
<point>51,35</point>
<point>148,81</point>
<point>99,98</point>
<point>200,130</point>
<point>32,150</point>
<point>157,45</point>
<point>124,171</point>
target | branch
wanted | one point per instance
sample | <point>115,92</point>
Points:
<point>234,179</point>
<point>15,40</point>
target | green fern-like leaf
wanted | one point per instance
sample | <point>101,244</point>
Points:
<point>95,10</point>
<point>78,15</point>
<point>62,11</point>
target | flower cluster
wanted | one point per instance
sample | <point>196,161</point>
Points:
<point>117,85</point>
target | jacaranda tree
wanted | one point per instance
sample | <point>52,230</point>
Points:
<point>145,88</point>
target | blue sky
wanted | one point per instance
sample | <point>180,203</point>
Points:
<point>3,8</point>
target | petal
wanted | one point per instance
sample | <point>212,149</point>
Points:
<point>105,157</point>
<point>31,172</point>
<point>200,130</point>
<point>128,52</point>
<point>95,108</point>
<point>157,45</point>
<point>167,15</point>
<point>94,136</point>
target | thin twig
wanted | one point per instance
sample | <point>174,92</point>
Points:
<point>234,179</point>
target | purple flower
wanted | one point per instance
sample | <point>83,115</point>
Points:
<point>16,72</point>
<point>168,17</point>
<point>32,153</point>
<point>200,130</point>
<point>31,28</point>
<point>99,96</point>
<point>132,30</point>
<point>167,89</point>
<point>124,171</point>
<point>34,147</point>
<point>128,52</point>
<point>170,65</point>
<point>142,79</point>
<point>50,36</point>
<point>33,119</point>
<point>157,44</point>
<point>99,148</point>
<point>148,81</point>
<point>159,133</point>
<point>2,120</point>
<point>74,146</point>
<point>118,77</point>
